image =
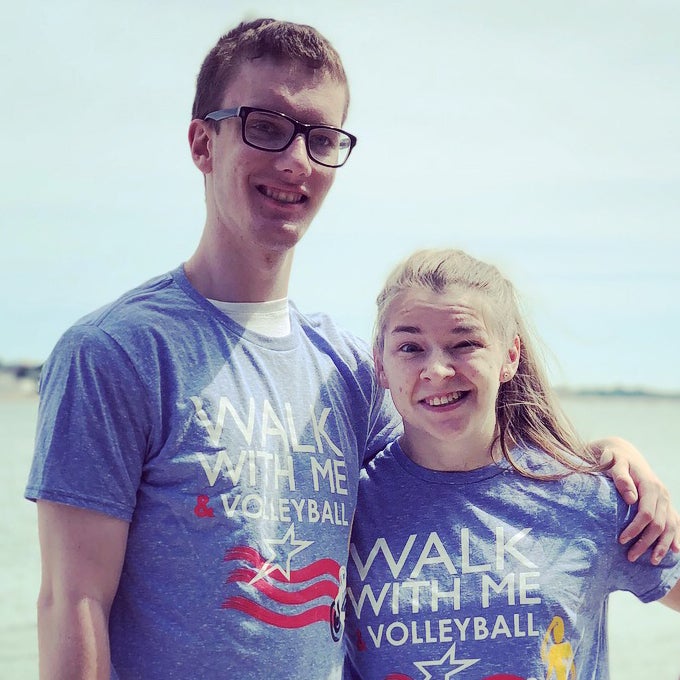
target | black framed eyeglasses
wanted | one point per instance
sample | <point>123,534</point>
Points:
<point>273,131</point>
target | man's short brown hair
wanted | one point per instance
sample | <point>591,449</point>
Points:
<point>262,38</point>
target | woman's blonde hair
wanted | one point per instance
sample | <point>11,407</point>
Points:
<point>527,410</point>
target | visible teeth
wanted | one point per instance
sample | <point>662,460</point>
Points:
<point>442,401</point>
<point>282,196</point>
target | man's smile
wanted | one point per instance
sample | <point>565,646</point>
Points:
<point>281,196</point>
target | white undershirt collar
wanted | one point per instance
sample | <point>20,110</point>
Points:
<point>270,318</point>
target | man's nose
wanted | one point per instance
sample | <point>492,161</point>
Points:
<point>295,158</point>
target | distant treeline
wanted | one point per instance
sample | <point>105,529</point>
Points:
<point>21,371</point>
<point>26,371</point>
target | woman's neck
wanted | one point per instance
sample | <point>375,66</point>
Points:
<point>456,456</point>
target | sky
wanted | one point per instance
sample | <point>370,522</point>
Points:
<point>540,135</point>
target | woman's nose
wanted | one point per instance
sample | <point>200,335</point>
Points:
<point>438,368</point>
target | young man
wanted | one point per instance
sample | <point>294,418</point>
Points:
<point>199,439</point>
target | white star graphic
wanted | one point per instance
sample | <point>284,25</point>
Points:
<point>282,554</point>
<point>460,665</point>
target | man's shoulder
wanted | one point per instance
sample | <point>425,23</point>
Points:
<point>321,327</point>
<point>155,306</point>
<point>131,314</point>
<point>137,300</point>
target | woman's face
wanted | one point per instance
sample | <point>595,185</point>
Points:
<point>443,365</point>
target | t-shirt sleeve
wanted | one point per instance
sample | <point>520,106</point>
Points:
<point>375,419</point>
<point>93,426</point>
<point>644,580</point>
<point>384,423</point>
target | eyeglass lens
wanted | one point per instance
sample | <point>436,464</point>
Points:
<point>267,131</point>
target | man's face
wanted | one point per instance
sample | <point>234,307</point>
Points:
<point>266,200</point>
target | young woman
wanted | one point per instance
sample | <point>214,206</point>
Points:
<point>487,545</point>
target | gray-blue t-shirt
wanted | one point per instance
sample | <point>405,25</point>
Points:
<point>487,573</point>
<point>235,458</point>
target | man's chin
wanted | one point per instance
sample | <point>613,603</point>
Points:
<point>281,238</point>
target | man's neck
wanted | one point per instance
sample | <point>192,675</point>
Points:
<point>230,277</point>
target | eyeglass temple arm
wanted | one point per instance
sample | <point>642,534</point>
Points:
<point>222,114</point>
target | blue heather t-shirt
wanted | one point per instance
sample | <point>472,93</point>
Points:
<point>487,574</point>
<point>235,458</point>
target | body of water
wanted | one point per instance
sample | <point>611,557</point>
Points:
<point>644,639</point>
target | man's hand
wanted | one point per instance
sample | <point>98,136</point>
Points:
<point>656,523</point>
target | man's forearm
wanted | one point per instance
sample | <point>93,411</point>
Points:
<point>73,639</point>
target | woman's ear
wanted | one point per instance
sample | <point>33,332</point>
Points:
<point>379,370</point>
<point>509,368</point>
<point>200,143</point>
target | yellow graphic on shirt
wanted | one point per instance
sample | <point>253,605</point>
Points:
<point>557,653</point>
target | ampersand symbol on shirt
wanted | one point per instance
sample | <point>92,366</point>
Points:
<point>202,509</point>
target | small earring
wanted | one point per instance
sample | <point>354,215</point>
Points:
<point>506,375</point>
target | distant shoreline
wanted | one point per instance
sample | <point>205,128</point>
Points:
<point>24,383</point>
<point>19,380</point>
<point>616,392</point>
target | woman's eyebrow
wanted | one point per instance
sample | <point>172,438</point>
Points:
<point>405,329</point>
